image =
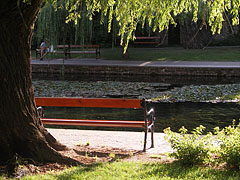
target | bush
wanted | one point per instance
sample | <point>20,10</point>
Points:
<point>190,149</point>
<point>229,143</point>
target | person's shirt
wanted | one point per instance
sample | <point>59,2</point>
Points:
<point>42,45</point>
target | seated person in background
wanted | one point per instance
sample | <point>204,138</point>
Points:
<point>43,50</point>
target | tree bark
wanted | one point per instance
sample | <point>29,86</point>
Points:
<point>21,131</point>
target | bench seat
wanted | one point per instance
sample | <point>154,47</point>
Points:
<point>100,123</point>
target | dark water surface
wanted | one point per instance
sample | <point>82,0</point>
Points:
<point>173,80</point>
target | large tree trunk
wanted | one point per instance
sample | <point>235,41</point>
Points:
<point>21,131</point>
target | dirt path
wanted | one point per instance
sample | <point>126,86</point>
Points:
<point>115,139</point>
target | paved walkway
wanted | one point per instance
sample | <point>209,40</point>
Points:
<point>116,139</point>
<point>101,62</point>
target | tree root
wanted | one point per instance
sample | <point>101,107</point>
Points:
<point>53,142</point>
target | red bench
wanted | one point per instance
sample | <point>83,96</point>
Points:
<point>147,123</point>
<point>155,40</point>
<point>67,50</point>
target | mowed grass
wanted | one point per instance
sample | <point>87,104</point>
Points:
<point>136,170</point>
<point>164,54</point>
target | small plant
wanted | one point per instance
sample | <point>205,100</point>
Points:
<point>112,155</point>
<point>190,149</point>
<point>156,156</point>
<point>88,144</point>
<point>96,158</point>
<point>229,145</point>
<point>79,144</point>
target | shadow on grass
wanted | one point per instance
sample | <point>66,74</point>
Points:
<point>102,154</point>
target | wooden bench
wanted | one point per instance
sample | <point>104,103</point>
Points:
<point>146,124</point>
<point>67,50</point>
<point>147,40</point>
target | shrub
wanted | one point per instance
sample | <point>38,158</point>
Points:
<point>229,142</point>
<point>190,149</point>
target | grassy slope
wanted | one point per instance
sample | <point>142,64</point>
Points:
<point>166,54</point>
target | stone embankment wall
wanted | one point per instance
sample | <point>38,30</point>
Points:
<point>133,70</point>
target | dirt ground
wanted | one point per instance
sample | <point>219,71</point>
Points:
<point>115,139</point>
<point>88,155</point>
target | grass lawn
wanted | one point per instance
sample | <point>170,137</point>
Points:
<point>165,54</point>
<point>175,54</point>
<point>137,170</point>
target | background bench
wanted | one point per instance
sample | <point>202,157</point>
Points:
<point>147,40</point>
<point>146,124</point>
<point>67,50</point>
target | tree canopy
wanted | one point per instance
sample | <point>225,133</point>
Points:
<point>125,17</point>
<point>158,13</point>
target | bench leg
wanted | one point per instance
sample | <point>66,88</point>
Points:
<point>152,139</point>
<point>145,139</point>
<point>97,53</point>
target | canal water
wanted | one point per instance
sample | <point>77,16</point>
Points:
<point>173,115</point>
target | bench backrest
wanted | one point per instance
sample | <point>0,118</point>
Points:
<point>62,46</point>
<point>78,46</point>
<point>89,102</point>
<point>153,37</point>
<point>85,46</point>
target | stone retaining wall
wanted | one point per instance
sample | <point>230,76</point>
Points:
<point>135,70</point>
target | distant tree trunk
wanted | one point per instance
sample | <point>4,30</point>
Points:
<point>124,54</point>
<point>194,35</point>
<point>21,131</point>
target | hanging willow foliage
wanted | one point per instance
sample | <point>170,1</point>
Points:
<point>57,25</point>
<point>50,25</point>
<point>161,13</point>
<point>157,13</point>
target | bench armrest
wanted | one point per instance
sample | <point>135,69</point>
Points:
<point>40,111</point>
<point>151,116</point>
